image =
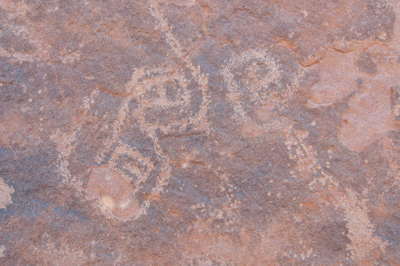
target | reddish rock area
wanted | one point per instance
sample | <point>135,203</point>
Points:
<point>200,132</point>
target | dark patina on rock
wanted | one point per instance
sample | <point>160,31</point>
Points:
<point>199,132</point>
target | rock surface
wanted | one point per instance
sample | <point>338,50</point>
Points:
<point>200,132</point>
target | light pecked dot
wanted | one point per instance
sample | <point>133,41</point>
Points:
<point>108,202</point>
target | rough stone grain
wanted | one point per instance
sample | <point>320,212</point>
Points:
<point>200,132</point>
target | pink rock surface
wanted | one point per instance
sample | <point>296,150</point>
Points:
<point>199,132</point>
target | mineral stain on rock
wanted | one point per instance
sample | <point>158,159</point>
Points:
<point>366,64</point>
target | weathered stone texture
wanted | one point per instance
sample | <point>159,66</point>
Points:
<point>200,132</point>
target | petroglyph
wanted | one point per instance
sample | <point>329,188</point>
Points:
<point>251,79</point>
<point>181,91</point>
<point>299,151</point>
<point>198,132</point>
<point>2,250</point>
<point>152,90</point>
<point>5,194</point>
<point>65,147</point>
<point>249,75</point>
<point>360,228</point>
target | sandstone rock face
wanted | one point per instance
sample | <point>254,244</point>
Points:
<point>200,132</point>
